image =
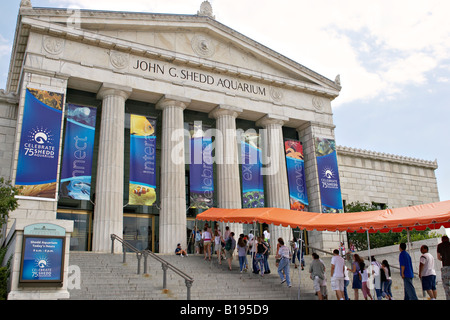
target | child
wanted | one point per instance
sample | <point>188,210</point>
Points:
<point>386,279</point>
<point>365,279</point>
<point>180,252</point>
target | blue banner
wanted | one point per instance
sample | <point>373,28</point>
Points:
<point>295,167</point>
<point>201,174</point>
<point>78,153</point>
<point>42,259</point>
<point>252,179</point>
<point>37,165</point>
<point>327,166</point>
<point>142,185</point>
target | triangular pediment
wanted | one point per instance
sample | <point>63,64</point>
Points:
<point>198,39</point>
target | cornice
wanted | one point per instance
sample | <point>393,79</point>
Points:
<point>361,153</point>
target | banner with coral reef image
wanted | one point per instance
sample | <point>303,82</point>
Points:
<point>37,165</point>
<point>142,185</point>
<point>75,181</point>
<point>201,172</point>
<point>329,184</point>
<point>295,167</point>
<point>251,172</point>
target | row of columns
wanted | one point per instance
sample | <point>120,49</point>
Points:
<point>172,217</point>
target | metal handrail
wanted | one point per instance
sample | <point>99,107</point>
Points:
<point>164,264</point>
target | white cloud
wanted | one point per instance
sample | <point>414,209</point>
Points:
<point>378,47</point>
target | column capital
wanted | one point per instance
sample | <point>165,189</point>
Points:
<point>225,110</point>
<point>169,100</point>
<point>315,125</point>
<point>111,89</point>
<point>271,119</point>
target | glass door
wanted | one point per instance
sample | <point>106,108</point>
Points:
<point>138,230</point>
<point>82,228</point>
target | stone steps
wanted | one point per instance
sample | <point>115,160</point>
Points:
<point>105,277</point>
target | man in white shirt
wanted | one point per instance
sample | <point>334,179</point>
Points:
<point>427,274</point>
<point>337,274</point>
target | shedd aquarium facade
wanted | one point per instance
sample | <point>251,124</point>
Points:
<point>133,123</point>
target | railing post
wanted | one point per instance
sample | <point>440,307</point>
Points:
<point>164,267</point>
<point>188,287</point>
<point>145,261</point>
<point>112,243</point>
<point>139,256</point>
<point>124,254</point>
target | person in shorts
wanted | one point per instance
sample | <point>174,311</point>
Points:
<point>337,274</point>
<point>427,273</point>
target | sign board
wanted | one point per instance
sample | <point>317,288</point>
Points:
<point>43,252</point>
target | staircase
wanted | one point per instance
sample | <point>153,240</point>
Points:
<point>106,277</point>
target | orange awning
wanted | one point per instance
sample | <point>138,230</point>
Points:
<point>420,217</point>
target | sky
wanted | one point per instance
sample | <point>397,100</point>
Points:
<point>393,58</point>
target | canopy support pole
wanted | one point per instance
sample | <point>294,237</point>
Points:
<point>300,265</point>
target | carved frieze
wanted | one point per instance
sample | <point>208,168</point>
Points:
<point>53,45</point>
<point>203,46</point>
<point>119,60</point>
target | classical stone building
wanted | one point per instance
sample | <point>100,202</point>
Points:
<point>179,70</point>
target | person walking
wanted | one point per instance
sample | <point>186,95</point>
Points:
<point>261,250</point>
<point>218,244</point>
<point>317,270</point>
<point>295,252</point>
<point>365,281</point>
<point>407,273</point>
<point>230,245</point>
<point>266,257</point>
<point>242,252</point>
<point>443,254</point>
<point>357,284</point>
<point>376,268</point>
<point>346,283</point>
<point>206,237</point>
<point>427,273</point>
<point>386,280</point>
<point>284,255</point>
<point>337,274</point>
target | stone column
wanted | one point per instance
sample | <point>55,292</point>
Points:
<point>277,188</point>
<point>108,215</point>
<point>307,133</point>
<point>172,214</point>
<point>227,162</point>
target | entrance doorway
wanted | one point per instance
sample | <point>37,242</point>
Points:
<point>138,230</point>
<point>82,228</point>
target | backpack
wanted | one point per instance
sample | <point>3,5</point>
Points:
<point>228,244</point>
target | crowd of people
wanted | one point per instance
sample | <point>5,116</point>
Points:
<point>248,248</point>
<point>367,276</point>
<point>373,276</point>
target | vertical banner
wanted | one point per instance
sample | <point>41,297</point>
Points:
<point>295,167</point>
<point>37,165</point>
<point>201,175</point>
<point>78,153</point>
<point>327,167</point>
<point>252,179</point>
<point>142,185</point>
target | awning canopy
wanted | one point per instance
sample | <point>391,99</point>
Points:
<point>420,217</point>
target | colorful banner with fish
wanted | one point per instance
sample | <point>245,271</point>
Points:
<point>142,160</point>
<point>37,165</point>
<point>295,167</point>
<point>252,179</point>
<point>78,153</point>
<point>327,167</point>
<point>201,174</point>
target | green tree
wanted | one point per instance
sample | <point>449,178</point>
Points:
<point>8,201</point>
